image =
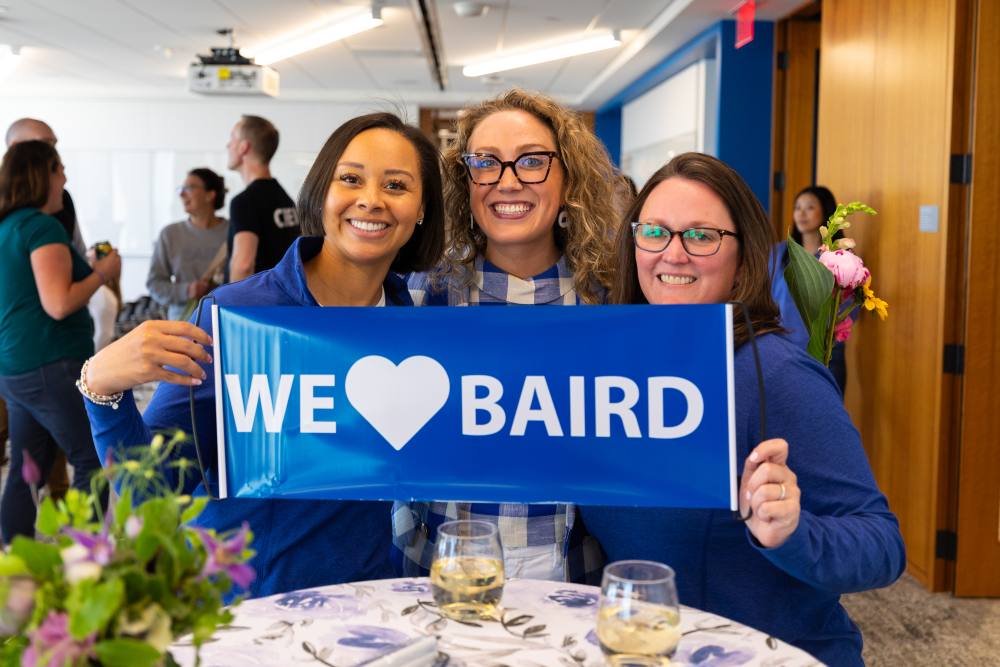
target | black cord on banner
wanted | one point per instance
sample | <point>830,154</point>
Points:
<point>194,424</point>
<point>760,389</point>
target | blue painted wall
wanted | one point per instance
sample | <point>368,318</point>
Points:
<point>745,79</point>
<point>745,96</point>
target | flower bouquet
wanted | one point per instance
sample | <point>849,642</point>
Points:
<point>827,289</point>
<point>117,589</point>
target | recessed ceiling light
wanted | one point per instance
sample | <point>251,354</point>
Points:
<point>543,56</point>
<point>317,37</point>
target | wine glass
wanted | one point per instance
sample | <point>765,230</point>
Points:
<point>638,617</point>
<point>467,573</point>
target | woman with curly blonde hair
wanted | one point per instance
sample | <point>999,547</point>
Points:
<point>529,204</point>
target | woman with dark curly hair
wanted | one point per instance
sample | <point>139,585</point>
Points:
<point>529,200</point>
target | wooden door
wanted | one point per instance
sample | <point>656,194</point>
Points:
<point>977,566</point>
<point>796,87</point>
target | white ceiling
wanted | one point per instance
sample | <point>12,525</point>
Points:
<point>141,48</point>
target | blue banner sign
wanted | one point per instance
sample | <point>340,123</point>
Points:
<point>611,405</point>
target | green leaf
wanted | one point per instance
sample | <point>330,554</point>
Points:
<point>11,566</point>
<point>48,518</point>
<point>97,608</point>
<point>160,515</point>
<point>194,509</point>
<point>809,282</point>
<point>124,507</point>
<point>41,559</point>
<point>817,341</point>
<point>126,653</point>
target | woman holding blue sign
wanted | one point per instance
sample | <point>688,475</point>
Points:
<point>818,524</point>
<point>371,207</point>
<point>529,194</point>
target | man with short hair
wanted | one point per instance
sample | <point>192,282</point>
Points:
<point>29,129</point>
<point>262,219</point>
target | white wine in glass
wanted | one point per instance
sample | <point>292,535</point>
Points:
<point>467,574</point>
<point>638,618</point>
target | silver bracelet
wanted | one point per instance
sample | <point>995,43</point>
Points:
<point>97,399</point>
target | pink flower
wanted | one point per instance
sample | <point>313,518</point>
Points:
<point>848,270</point>
<point>53,646</point>
<point>222,556</point>
<point>842,331</point>
<point>29,470</point>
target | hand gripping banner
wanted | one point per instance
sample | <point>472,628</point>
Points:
<point>611,405</point>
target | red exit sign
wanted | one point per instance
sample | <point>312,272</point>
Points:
<point>744,23</point>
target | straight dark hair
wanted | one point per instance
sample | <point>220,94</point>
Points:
<point>827,202</point>
<point>213,183</point>
<point>425,247</point>
<point>24,176</point>
<point>756,242</point>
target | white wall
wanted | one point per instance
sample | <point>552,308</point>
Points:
<point>125,158</point>
<point>676,116</point>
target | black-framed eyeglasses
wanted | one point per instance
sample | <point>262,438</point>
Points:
<point>529,168</point>
<point>698,241</point>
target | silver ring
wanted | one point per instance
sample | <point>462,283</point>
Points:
<point>782,491</point>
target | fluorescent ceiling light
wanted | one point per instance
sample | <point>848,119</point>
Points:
<point>317,38</point>
<point>10,56</point>
<point>543,56</point>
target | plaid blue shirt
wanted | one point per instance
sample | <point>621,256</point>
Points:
<point>415,524</point>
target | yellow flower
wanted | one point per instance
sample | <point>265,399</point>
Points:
<point>872,302</point>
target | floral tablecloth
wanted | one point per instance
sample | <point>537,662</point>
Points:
<point>541,623</point>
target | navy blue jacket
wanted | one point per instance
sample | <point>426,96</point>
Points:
<point>299,543</point>
<point>847,540</point>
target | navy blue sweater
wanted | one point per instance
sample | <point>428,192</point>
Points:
<point>299,543</point>
<point>847,540</point>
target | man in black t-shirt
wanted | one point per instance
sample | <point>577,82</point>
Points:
<point>262,219</point>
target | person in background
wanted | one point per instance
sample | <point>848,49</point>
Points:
<point>816,525</point>
<point>371,208</point>
<point>262,218</point>
<point>185,249</point>
<point>104,307</point>
<point>813,207</point>
<point>625,193</point>
<point>529,200</point>
<point>45,329</point>
<point>29,129</point>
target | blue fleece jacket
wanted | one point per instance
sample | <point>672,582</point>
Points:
<point>847,540</point>
<point>299,543</point>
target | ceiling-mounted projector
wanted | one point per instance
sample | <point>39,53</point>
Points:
<point>228,72</point>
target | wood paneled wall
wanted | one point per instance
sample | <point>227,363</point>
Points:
<point>884,138</point>
<point>978,564</point>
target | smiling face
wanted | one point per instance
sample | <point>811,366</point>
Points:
<point>510,212</point>
<point>672,275</point>
<point>375,199</point>
<point>808,214</point>
<point>195,198</point>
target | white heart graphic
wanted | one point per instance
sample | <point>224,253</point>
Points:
<point>397,400</point>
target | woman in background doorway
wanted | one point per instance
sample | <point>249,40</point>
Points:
<point>813,207</point>
<point>529,199</point>
<point>185,250</point>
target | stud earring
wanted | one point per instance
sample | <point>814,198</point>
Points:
<point>563,219</point>
<point>420,221</point>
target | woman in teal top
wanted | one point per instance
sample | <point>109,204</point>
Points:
<point>45,330</point>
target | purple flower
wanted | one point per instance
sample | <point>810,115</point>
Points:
<point>53,645</point>
<point>572,598</point>
<point>223,555</point>
<point>29,470</point>
<point>87,556</point>
<point>411,587</point>
<point>373,637</point>
<point>714,655</point>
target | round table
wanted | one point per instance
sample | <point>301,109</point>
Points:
<point>542,624</point>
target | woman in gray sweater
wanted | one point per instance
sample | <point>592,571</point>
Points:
<point>185,249</point>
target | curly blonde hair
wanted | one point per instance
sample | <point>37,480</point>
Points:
<point>587,240</point>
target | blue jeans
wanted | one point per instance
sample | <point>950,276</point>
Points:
<point>46,413</point>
